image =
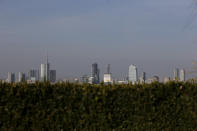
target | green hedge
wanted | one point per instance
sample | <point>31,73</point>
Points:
<point>66,106</point>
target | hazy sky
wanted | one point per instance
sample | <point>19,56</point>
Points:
<point>155,35</point>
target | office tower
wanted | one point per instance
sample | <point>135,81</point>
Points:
<point>52,76</point>
<point>108,76</point>
<point>33,75</point>
<point>45,71</point>
<point>11,77</point>
<point>143,77</point>
<point>21,77</point>
<point>94,79</point>
<point>176,74</point>
<point>133,74</point>
<point>42,72</point>
<point>182,75</point>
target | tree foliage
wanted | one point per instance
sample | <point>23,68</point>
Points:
<point>66,106</point>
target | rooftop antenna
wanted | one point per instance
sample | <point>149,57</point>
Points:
<point>47,58</point>
<point>108,69</point>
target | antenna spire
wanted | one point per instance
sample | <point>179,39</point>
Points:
<point>47,58</point>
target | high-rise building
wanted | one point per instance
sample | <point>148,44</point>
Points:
<point>182,75</point>
<point>45,71</point>
<point>11,77</point>
<point>21,77</point>
<point>48,70</point>
<point>94,79</point>
<point>143,77</point>
<point>133,74</point>
<point>108,76</point>
<point>33,75</point>
<point>53,76</point>
<point>42,72</point>
<point>176,74</point>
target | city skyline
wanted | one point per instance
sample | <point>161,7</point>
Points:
<point>46,74</point>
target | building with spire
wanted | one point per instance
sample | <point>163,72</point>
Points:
<point>108,76</point>
<point>45,71</point>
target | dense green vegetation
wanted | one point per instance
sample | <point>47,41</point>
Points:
<point>42,106</point>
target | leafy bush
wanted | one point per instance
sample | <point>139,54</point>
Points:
<point>66,106</point>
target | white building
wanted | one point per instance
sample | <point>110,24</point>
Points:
<point>133,74</point>
<point>21,77</point>
<point>108,76</point>
<point>182,75</point>
<point>45,71</point>
<point>11,77</point>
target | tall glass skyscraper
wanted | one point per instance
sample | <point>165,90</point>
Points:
<point>95,74</point>
<point>45,71</point>
<point>133,74</point>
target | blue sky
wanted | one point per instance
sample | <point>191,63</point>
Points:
<point>155,35</point>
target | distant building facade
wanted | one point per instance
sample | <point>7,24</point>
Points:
<point>11,77</point>
<point>21,77</point>
<point>176,74</point>
<point>45,71</point>
<point>108,76</point>
<point>33,75</point>
<point>95,73</point>
<point>133,74</point>
<point>182,75</point>
<point>143,77</point>
<point>53,76</point>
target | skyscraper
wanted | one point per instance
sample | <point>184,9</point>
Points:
<point>11,77</point>
<point>133,74</point>
<point>176,74</point>
<point>45,71</point>
<point>42,72</point>
<point>143,77</point>
<point>53,76</point>
<point>94,79</point>
<point>33,75</point>
<point>21,77</point>
<point>182,75</point>
<point>107,76</point>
